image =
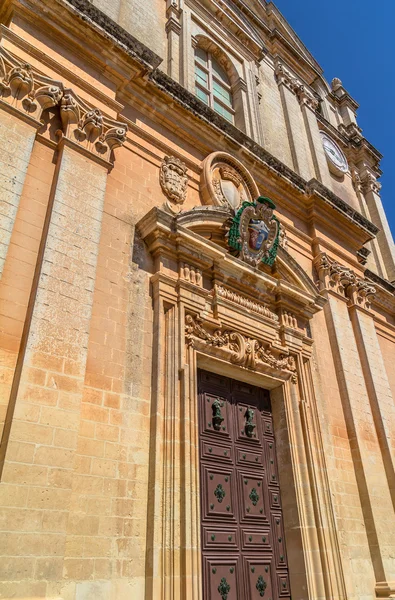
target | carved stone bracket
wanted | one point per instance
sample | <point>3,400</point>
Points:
<point>343,280</point>
<point>370,183</point>
<point>30,93</point>
<point>303,93</point>
<point>351,131</point>
<point>24,89</point>
<point>244,351</point>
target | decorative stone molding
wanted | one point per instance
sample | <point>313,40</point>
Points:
<point>174,182</point>
<point>362,255</point>
<point>190,274</point>
<point>89,127</point>
<point>24,89</point>
<point>289,320</point>
<point>351,131</point>
<point>236,298</point>
<point>29,92</point>
<point>343,281</point>
<point>283,238</point>
<point>356,180</point>
<point>226,182</point>
<point>244,351</point>
<point>370,183</point>
<point>297,87</point>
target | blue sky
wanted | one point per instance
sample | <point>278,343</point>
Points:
<point>355,41</point>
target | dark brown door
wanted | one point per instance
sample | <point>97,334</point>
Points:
<point>243,545</point>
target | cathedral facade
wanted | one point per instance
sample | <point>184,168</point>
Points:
<point>197,311</point>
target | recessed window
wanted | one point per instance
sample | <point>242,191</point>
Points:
<point>212,84</point>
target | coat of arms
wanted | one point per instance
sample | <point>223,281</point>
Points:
<point>174,181</point>
<point>254,232</point>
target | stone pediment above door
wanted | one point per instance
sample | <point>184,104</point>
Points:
<point>196,266</point>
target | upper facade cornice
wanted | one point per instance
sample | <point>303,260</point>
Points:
<point>126,59</point>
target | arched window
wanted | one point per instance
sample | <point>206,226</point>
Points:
<point>212,84</point>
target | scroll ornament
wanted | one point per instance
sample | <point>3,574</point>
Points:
<point>29,92</point>
<point>245,351</point>
<point>344,281</point>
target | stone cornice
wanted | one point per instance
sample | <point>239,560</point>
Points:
<point>384,283</point>
<point>28,93</point>
<point>188,101</point>
<point>85,11</point>
<point>316,187</point>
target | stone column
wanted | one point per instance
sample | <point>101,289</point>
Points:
<point>378,387</point>
<point>40,431</point>
<point>340,284</point>
<point>371,189</point>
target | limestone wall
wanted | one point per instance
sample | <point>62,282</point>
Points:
<point>84,328</point>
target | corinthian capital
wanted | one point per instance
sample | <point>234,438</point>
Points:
<point>88,126</point>
<point>344,281</point>
<point>370,183</point>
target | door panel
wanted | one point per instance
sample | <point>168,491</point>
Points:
<point>244,556</point>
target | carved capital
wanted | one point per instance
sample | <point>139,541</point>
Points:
<point>342,280</point>
<point>25,89</point>
<point>370,183</point>
<point>356,180</point>
<point>351,131</point>
<point>89,127</point>
<point>31,93</point>
<point>285,77</point>
<point>304,94</point>
<point>307,98</point>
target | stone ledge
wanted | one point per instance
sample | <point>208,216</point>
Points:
<point>95,18</point>
<point>86,11</point>
<point>201,110</point>
<point>384,283</point>
<point>315,186</point>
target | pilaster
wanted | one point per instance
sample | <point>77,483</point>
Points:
<point>290,87</point>
<point>24,94</point>
<point>344,290</point>
<point>43,413</point>
<point>371,189</point>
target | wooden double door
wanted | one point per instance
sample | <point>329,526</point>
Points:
<point>243,548</point>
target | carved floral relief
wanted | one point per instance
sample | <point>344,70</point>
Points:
<point>29,92</point>
<point>244,351</point>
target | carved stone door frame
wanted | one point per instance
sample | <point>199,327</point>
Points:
<point>212,311</point>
